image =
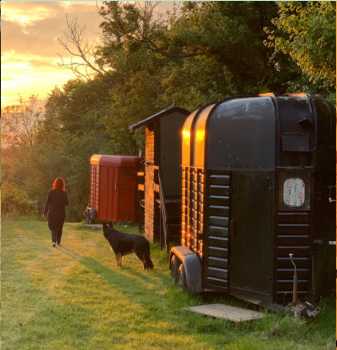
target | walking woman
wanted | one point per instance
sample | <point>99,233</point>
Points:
<point>55,209</point>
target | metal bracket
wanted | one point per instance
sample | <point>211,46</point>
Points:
<point>295,282</point>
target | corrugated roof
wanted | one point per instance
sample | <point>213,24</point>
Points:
<point>163,112</point>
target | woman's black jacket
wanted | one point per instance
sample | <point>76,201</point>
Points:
<point>55,206</point>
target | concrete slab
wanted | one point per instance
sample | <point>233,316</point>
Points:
<point>227,312</point>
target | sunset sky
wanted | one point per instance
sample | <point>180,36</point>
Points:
<point>30,51</point>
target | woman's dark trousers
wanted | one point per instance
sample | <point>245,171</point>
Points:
<point>56,232</point>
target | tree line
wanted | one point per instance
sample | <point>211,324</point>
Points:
<point>197,53</point>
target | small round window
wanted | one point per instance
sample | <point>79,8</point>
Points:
<point>294,192</point>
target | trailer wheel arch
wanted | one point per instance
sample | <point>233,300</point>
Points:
<point>174,267</point>
<point>185,266</point>
<point>182,282</point>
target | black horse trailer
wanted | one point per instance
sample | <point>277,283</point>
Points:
<point>258,194</point>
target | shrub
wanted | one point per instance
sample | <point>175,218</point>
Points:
<point>15,201</point>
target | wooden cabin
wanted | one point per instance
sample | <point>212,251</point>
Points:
<point>162,174</point>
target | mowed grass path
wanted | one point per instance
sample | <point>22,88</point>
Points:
<point>76,298</point>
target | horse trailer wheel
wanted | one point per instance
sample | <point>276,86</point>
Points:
<point>175,263</point>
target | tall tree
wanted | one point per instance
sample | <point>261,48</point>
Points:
<point>73,129</point>
<point>306,31</point>
<point>20,122</point>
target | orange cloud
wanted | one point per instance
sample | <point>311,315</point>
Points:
<point>33,75</point>
<point>23,15</point>
<point>29,44</point>
<point>30,62</point>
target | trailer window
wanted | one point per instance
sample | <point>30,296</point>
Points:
<point>294,192</point>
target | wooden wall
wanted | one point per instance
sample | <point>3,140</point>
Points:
<point>162,149</point>
<point>149,184</point>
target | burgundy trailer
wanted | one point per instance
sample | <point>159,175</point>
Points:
<point>113,187</point>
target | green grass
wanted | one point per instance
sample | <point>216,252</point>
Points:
<point>76,298</point>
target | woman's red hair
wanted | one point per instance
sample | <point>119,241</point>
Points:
<point>58,184</point>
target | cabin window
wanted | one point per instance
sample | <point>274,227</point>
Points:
<point>294,192</point>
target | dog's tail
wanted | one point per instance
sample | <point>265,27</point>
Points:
<point>148,264</point>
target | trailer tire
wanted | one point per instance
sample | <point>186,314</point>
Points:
<point>174,267</point>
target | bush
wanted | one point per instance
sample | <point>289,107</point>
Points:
<point>15,201</point>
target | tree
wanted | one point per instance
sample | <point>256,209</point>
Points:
<point>83,59</point>
<point>20,122</point>
<point>306,31</point>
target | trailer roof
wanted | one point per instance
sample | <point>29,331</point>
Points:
<point>162,113</point>
<point>114,160</point>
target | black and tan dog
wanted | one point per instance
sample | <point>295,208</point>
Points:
<point>124,243</point>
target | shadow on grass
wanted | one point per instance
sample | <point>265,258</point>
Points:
<point>128,285</point>
<point>70,252</point>
<point>160,308</point>
<point>73,254</point>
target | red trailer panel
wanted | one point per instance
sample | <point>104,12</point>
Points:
<point>113,187</point>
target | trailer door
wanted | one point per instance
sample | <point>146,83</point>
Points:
<point>251,232</point>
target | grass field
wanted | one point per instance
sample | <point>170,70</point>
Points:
<point>76,298</point>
